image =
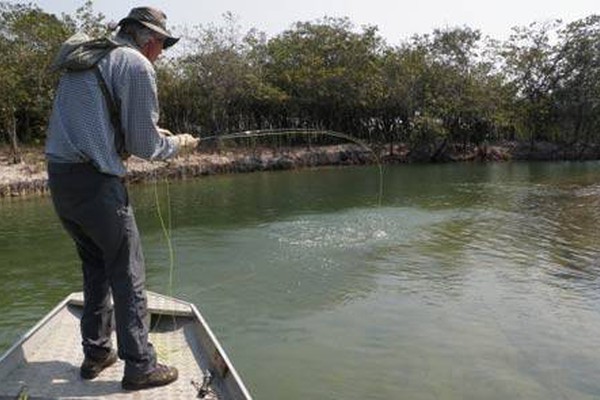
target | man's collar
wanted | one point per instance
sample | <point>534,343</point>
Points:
<point>125,40</point>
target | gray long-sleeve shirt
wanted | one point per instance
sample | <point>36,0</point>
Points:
<point>80,128</point>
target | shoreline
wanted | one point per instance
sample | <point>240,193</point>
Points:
<point>29,178</point>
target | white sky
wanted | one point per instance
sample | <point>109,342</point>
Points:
<point>397,20</point>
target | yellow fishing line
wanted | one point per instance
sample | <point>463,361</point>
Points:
<point>166,230</point>
<point>166,227</point>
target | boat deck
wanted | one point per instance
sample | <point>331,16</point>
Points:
<point>46,365</point>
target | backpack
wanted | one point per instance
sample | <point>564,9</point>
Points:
<point>80,53</point>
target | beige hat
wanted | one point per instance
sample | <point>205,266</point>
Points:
<point>153,19</point>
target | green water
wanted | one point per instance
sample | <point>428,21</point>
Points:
<point>468,282</point>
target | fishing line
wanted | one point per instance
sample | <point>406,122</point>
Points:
<point>308,132</point>
<point>166,229</point>
<point>166,226</point>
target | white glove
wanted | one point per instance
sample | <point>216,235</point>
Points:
<point>186,143</point>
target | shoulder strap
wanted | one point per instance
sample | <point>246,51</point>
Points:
<point>115,115</point>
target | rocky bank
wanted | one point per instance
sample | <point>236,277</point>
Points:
<point>29,177</point>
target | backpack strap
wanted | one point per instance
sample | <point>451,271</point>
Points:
<point>115,114</point>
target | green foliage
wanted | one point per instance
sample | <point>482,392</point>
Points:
<point>29,38</point>
<point>452,85</point>
<point>217,86</point>
<point>532,61</point>
<point>88,21</point>
<point>329,72</point>
<point>577,95</point>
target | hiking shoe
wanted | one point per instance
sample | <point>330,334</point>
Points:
<point>91,368</point>
<point>161,375</point>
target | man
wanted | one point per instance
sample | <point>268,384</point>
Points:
<point>103,112</point>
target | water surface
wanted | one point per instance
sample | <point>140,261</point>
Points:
<point>468,281</point>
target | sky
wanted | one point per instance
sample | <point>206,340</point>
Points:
<point>397,20</point>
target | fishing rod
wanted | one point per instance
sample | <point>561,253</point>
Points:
<point>257,133</point>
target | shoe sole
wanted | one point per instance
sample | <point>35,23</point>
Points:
<point>139,386</point>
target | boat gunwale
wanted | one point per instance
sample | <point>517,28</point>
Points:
<point>32,331</point>
<point>221,352</point>
<point>77,299</point>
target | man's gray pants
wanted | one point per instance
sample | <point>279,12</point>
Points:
<point>94,209</point>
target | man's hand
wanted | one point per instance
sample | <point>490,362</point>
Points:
<point>186,143</point>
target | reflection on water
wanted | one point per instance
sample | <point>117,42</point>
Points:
<point>469,282</point>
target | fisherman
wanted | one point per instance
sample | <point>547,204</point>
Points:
<point>105,109</point>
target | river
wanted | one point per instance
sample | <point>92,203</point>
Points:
<point>466,281</point>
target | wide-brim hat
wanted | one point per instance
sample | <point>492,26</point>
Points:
<point>153,19</point>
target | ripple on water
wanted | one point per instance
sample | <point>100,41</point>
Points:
<point>484,286</point>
